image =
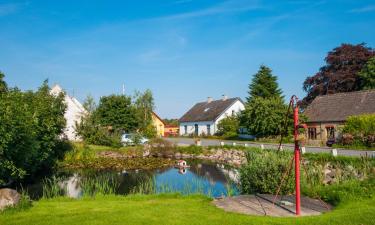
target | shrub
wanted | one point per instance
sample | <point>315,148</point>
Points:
<point>359,130</point>
<point>163,147</point>
<point>263,173</point>
<point>31,131</point>
<point>228,127</point>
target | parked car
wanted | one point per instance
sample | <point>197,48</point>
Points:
<point>133,139</point>
<point>330,142</point>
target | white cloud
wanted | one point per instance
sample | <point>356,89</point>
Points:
<point>230,6</point>
<point>368,8</point>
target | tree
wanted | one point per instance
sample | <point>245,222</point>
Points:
<point>340,74</point>
<point>89,104</point>
<point>144,104</point>
<point>3,85</point>
<point>264,85</point>
<point>116,112</point>
<point>367,75</point>
<point>31,128</point>
<point>228,126</point>
<point>172,122</point>
<point>264,116</point>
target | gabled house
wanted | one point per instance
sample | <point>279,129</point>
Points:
<point>203,117</point>
<point>158,124</point>
<point>328,113</point>
<point>73,113</point>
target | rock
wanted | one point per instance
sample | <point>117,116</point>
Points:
<point>8,197</point>
<point>146,153</point>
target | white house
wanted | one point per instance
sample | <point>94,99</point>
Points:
<point>73,113</point>
<point>203,117</point>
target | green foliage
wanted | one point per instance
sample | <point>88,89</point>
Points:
<point>30,130</point>
<point>344,192</point>
<point>150,131</point>
<point>367,75</point>
<point>264,85</point>
<point>264,117</point>
<point>228,127</point>
<point>172,122</point>
<point>144,105</point>
<point>359,130</point>
<point>264,172</point>
<point>91,130</point>
<point>3,85</point>
<point>89,104</point>
<point>116,112</point>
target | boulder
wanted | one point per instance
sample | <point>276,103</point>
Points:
<point>8,197</point>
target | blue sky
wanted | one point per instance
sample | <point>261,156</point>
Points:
<point>183,50</point>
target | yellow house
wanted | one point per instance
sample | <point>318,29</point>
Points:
<point>158,124</point>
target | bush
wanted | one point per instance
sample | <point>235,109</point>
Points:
<point>163,147</point>
<point>359,130</point>
<point>263,173</point>
<point>31,131</point>
<point>228,127</point>
<point>94,134</point>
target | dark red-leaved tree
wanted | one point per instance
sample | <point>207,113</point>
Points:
<point>340,74</point>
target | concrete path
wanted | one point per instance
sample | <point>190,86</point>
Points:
<point>289,147</point>
<point>262,205</point>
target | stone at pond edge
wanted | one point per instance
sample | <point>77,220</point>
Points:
<point>8,197</point>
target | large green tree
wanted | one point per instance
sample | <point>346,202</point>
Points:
<point>367,75</point>
<point>265,108</point>
<point>264,116</point>
<point>117,112</point>
<point>30,132</point>
<point>264,85</point>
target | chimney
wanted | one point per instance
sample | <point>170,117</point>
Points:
<point>209,99</point>
<point>225,97</point>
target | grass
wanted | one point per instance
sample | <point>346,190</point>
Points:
<point>167,209</point>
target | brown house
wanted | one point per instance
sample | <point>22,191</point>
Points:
<point>327,113</point>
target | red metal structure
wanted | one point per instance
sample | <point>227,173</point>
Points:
<point>294,101</point>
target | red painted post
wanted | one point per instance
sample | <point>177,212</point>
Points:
<point>296,161</point>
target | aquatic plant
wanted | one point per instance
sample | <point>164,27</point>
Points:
<point>52,187</point>
<point>102,184</point>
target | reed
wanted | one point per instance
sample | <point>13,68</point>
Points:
<point>52,187</point>
<point>102,184</point>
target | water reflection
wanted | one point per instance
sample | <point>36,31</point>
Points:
<point>214,180</point>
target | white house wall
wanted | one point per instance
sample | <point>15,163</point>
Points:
<point>73,114</point>
<point>235,108</point>
<point>202,128</point>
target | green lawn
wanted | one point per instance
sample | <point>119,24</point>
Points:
<point>167,209</point>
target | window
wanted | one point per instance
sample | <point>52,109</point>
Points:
<point>196,130</point>
<point>208,129</point>
<point>330,133</point>
<point>185,128</point>
<point>233,112</point>
<point>312,133</point>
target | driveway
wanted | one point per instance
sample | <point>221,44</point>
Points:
<point>290,147</point>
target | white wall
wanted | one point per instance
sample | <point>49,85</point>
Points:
<point>202,128</point>
<point>73,113</point>
<point>235,108</point>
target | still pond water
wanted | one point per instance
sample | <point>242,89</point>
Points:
<point>211,179</point>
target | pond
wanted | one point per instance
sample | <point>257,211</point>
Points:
<point>211,179</point>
